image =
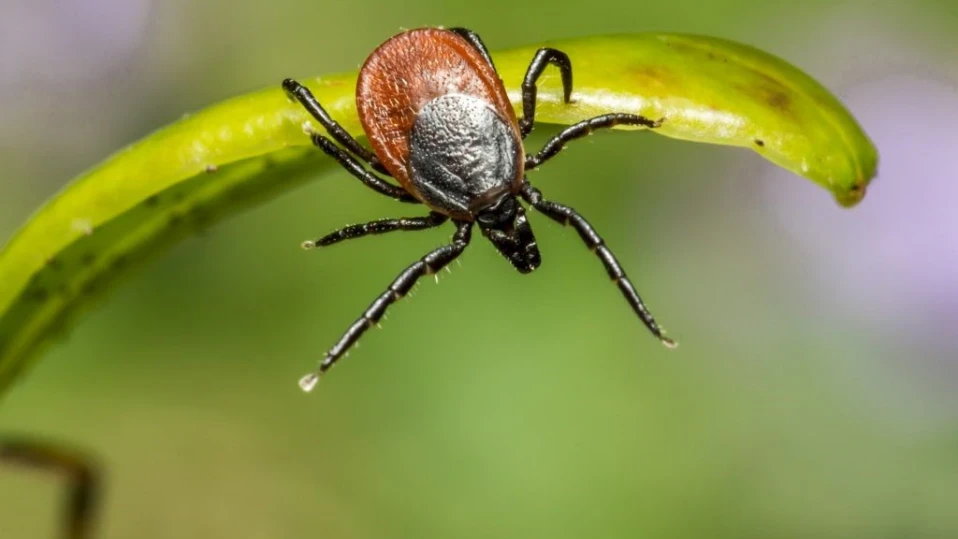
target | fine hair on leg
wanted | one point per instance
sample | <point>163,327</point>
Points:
<point>540,61</point>
<point>429,264</point>
<point>554,145</point>
<point>301,93</point>
<point>568,216</point>
<point>474,40</point>
<point>381,226</point>
<point>355,168</point>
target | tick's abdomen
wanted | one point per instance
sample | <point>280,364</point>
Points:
<point>408,72</point>
<point>462,154</point>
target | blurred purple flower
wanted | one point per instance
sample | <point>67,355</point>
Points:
<point>893,259</point>
<point>66,40</point>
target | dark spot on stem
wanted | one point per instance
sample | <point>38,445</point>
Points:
<point>119,263</point>
<point>58,326</point>
<point>39,295</point>
<point>767,90</point>
<point>759,142</point>
<point>657,80</point>
<point>201,218</point>
<point>90,287</point>
<point>779,100</point>
<point>152,201</point>
<point>88,259</point>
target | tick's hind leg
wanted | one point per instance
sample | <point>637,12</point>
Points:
<point>81,505</point>
<point>583,128</point>
<point>301,93</point>
<point>428,264</point>
<point>543,58</point>
<point>382,226</point>
<point>474,39</point>
<point>355,168</point>
<point>568,216</point>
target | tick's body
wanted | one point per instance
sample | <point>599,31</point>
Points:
<point>440,122</point>
<point>429,101</point>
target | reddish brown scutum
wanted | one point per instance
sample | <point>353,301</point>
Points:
<point>408,71</point>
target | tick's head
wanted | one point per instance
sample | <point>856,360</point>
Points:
<point>504,223</point>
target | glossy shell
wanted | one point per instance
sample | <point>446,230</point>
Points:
<point>409,71</point>
<point>463,156</point>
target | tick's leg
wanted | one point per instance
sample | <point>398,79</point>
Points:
<point>429,264</point>
<point>302,94</point>
<point>349,163</point>
<point>583,128</point>
<point>568,216</point>
<point>382,226</point>
<point>474,39</point>
<point>80,507</point>
<point>542,58</point>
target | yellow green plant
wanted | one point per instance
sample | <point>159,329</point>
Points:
<point>238,153</point>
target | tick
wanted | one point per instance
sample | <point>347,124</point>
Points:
<point>440,123</point>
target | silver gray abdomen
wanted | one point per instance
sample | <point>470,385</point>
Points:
<point>462,154</point>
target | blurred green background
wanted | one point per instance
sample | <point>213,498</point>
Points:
<point>813,394</point>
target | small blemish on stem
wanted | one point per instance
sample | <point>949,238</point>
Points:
<point>83,226</point>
